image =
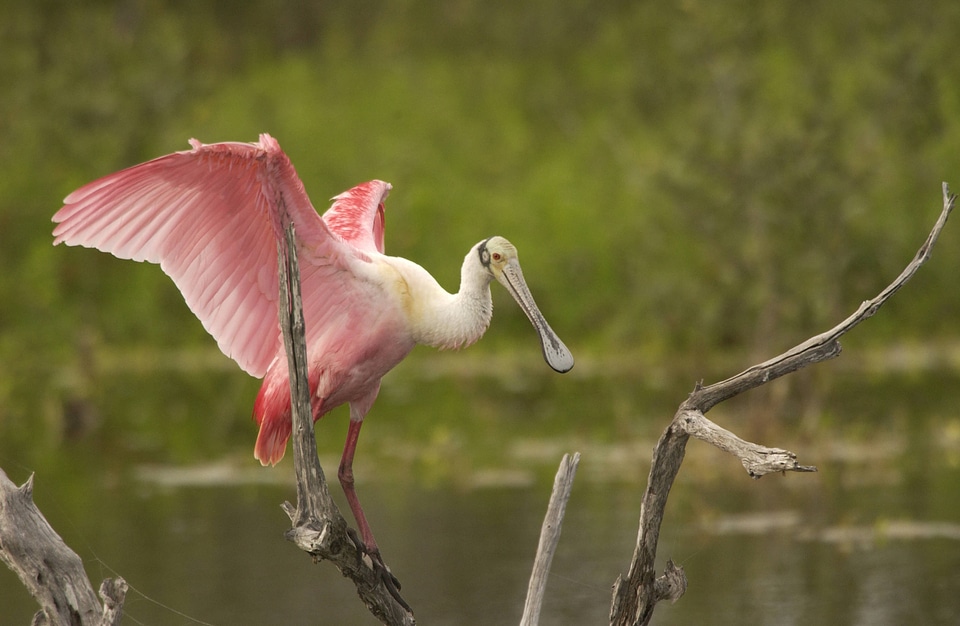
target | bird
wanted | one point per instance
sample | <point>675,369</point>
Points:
<point>210,217</point>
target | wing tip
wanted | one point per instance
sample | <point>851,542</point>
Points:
<point>268,143</point>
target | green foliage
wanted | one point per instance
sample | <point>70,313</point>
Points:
<point>681,180</point>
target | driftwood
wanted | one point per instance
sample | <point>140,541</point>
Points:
<point>636,595</point>
<point>48,568</point>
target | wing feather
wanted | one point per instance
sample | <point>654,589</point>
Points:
<point>210,216</point>
<point>357,215</point>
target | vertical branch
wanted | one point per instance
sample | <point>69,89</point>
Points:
<point>318,527</point>
<point>635,596</point>
<point>313,496</point>
<point>549,537</point>
<point>113,591</point>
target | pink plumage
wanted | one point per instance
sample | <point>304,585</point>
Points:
<point>211,216</point>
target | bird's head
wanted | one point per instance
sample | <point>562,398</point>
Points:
<point>496,255</point>
<point>499,257</point>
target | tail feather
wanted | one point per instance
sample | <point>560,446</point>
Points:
<point>272,440</point>
<point>271,410</point>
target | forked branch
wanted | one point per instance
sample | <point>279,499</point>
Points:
<point>636,595</point>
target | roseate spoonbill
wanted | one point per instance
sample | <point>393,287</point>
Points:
<point>210,217</point>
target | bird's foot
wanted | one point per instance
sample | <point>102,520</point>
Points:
<point>380,569</point>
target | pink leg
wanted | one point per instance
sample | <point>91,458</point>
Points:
<point>345,474</point>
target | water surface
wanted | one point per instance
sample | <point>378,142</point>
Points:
<point>456,504</point>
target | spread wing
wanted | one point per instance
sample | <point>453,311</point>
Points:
<point>357,215</point>
<point>209,217</point>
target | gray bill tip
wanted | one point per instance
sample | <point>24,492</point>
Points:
<point>556,353</point>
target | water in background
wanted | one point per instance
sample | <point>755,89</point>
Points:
<point>457,500</point>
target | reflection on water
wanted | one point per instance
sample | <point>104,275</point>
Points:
<point>872,538</point>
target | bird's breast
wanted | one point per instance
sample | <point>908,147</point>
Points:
<point>353,359</point>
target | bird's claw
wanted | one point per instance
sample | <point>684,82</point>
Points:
<point>358,544</point>
<point>380,569</point>
<point>389,581</point>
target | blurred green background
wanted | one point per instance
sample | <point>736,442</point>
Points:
<point>693,187</point>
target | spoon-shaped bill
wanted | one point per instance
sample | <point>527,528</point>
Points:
<point>554,351</point>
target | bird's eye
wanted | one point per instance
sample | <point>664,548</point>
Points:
<point>497,256</point>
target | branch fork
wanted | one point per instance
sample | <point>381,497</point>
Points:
<point>636,595</point>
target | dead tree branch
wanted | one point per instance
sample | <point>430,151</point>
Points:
<point>318,527</point>
<point>636,595</point>
<point>48,568</point>
<point>549,538</point>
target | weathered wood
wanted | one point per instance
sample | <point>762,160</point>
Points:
<point>112,592</point>
<point>314,501</point>
<point>549,537</point>
<point>48,568</point>
<point>636,595</point>
<point>318,526</point>
<point>756,459</point>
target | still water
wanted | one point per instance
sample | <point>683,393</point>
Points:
<point>873,538</point>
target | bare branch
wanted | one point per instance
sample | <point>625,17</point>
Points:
<point>318,527</point>
<point>549,537</point>
<point>756,459</point>
<point>635,596</point>
<point>112,592</point>
<point>825,345</point>
<point>48,568</point>
<point>313,496</point>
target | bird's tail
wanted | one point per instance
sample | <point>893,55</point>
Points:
<point>271,410</point>
<point>272,440</point>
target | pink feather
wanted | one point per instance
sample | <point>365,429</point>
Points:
<point>210,217</point>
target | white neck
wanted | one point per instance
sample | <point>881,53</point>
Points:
<point>444,320</point>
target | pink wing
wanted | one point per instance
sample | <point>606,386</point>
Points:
<point>357,215</point>
<point>209,217</point>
